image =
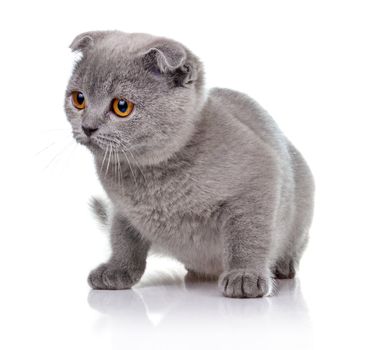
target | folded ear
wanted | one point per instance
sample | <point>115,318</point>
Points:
<point>173,60</point>
<point>85,41</point>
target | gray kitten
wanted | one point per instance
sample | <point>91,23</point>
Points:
<point>208,179</point>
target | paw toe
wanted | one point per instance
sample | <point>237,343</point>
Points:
<point>108,277</point>
<point>95,278</point>
<point>116,279</point>
<point>243,284</point>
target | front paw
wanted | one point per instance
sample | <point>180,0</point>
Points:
<point>241,283</point>
<point>107,276</point>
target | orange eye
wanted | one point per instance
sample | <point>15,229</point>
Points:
<point>122,107</point>
<point>78,99</point>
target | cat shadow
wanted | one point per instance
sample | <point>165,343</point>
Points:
<point>170,303</point>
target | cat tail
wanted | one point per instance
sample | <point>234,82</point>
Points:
<point>100,210</point>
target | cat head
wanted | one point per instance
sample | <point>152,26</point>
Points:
<point>133,93</point>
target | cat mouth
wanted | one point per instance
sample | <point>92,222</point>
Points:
<point>88,142</point>
<point>80,139</point>
<point>102,143</point>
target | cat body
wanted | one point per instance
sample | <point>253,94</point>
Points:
<point>222,189</point>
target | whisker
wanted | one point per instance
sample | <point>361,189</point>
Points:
<point>55,130</point>
<point>71,155</point>
<point>130,167</point>
<point>120,173</point>
<point>138,166</point>
<point>116,166</point>
<point>104,158</point>
<point>124,149</point>
<point>58,154</point>
<point>109,159</point>
<point>44,149</point>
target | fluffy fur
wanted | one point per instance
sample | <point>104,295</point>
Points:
<point>210,180</point>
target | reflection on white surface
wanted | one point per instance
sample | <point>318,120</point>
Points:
<point>171,312</point>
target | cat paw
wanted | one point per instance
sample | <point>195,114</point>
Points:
<point>106,276</point>
<point>284,269</point>
<point>241,283</point>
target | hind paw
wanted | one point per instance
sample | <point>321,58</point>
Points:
<point>284,269</point>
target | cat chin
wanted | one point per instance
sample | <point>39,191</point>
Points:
<point>95,149</point>
<point>90,145</point>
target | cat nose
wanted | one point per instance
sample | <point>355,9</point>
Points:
<point>88,131</point>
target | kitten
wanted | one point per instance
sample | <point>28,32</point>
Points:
<point>210,180</point>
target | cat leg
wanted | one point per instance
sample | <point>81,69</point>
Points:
<point>247,234</point>
<point>128,259</point>
<point>287,264</point>
<point>284,268</point>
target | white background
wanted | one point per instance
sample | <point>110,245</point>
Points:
<point>307,62</point>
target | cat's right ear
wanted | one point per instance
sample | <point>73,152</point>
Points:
<point>171,59</point>
<point>85,41</point>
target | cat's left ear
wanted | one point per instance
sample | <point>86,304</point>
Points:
<point>84,41</point>
<point>172,59</point>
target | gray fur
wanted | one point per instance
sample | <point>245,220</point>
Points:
<point>100,210</point>
<point>211,180</point>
